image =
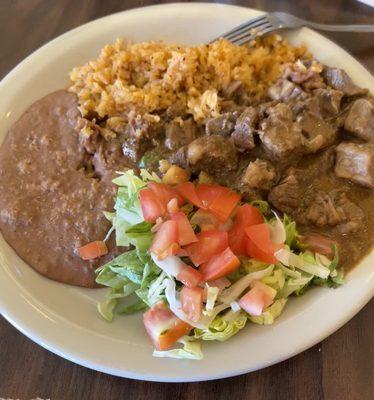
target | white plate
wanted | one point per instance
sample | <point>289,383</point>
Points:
<point>63,319</point>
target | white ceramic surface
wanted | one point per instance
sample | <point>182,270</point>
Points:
<point>63,319</point>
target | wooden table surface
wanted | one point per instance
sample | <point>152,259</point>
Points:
<point>341,367</point>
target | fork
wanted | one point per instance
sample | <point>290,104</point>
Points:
<point>272,22</point>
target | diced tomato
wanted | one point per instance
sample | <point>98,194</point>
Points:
<point>207,193</point>
<point>189,276</point>
<point>246,215</point>
<point>172,207</point>
<point>257,299</point>
<point>192,302</point>
<point>163,327</point>
<point>152,207</point>
<point>224,204</point>
<point>258,243</point>
<point>186,235</point>
<point>319,244</point>
<point>188,191</point>
<point>220,265</point>
<point>205,220</point>
<point>165,193</point>
<point>165,242</point>
<point>93,250</point>
<point>209,244</point>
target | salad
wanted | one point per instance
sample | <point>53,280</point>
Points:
<point>203,263</point>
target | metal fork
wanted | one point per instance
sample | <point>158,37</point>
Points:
<point>272,22</point>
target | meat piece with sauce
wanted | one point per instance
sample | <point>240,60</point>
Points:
<point>243,135</point>
<point>360,119</point>
<point>338,79</point>
<point>260,174</point>
<point>279,134</point>
<point>222,125</point>
<point>213,154</point>
<point>179,133</point>
<point>356,163</point>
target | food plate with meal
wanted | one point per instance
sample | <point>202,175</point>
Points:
<point>173,210</point>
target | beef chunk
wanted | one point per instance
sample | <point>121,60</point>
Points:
<point>329,101</point>
<point>306,74</point>
<point>179,133</point>
<point>284,90</point>
<point>287,194</point>
<point>317,133</point>
<point>213,154</point>
<point>335,209</point>
<point>338,79</point>
<point>222,125</point>
<point>356,162</point>
<point>244,129</point>
<point>179,157</point>
<point>260,174</point>
<point>279,134</point>
<point>360,119</point>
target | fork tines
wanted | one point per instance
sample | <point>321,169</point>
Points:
<point>249,30</point>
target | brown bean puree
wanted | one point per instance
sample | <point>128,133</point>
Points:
<point>51,201</point>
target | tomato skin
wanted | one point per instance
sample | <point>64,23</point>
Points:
<point>220,265</point>
<point>207,192</point>
<point>165,241</point>
<point>192,302</point>
<point>258,243</point>
<point>152,207</point>
<point>93,250</point>
<point>209,244</point>
<point>188,191</point>
<point>164,193</point>
<point>224,204</point>
<point>189,276</point>
<point>257,299</point>
<point>163,327</point>
<point>319,244</point>
<point>186,234</point>
<point>246,215</point>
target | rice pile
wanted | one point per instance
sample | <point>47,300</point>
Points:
<point>151,76</point>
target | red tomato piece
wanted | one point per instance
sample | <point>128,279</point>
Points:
<point>224,204</point>
<point>258,298</point>
<point>192,302</point>
<point>246,215</point>
<point>189,276</point>
<point>319,244</point>
<point>93,250</point>
<point>188,191</point>
<point>186,235</point>
<point>209,244</point>
<point>165,193</point>
<point>165,239</point>
<point>259,245</point>
<point>207,193</point>
<point>152,207</point>
<point>220,265</point>
<point>163,327</point>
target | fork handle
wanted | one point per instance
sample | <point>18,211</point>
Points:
<point>341,28</point>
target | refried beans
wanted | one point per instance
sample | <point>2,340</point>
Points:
<point>52,201</point>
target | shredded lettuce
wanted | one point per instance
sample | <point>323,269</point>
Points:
<point>263,206</point>
<point>191,350</point>
<point>270,314</point>
<point>140,235</point>
<point>222,328</point>
<point>211,297</point>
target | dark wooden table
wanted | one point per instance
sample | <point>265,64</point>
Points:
<point>341,367</point>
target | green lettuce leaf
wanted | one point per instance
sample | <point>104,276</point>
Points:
<point>270,314</point>
<point>191,350</point>
<point>132,308</point>
<point>140,235</point>
<point>222,328</point>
